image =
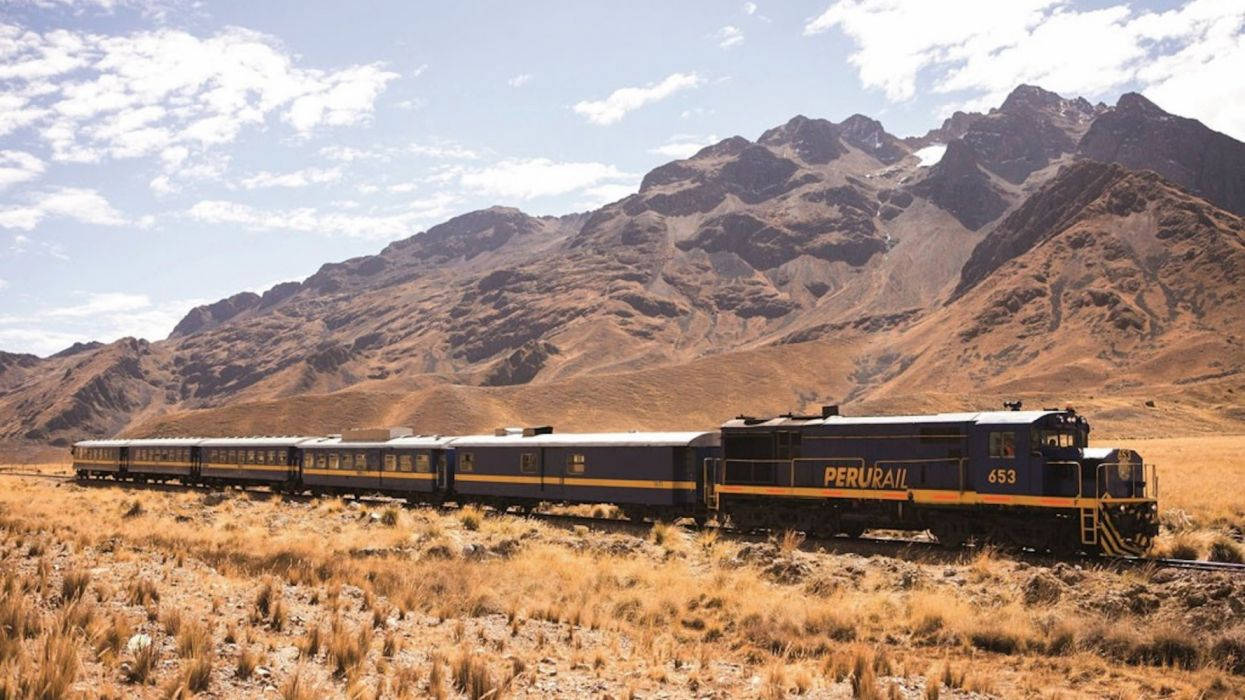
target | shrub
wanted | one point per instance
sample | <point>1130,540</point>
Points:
<point>247,661</point>
<point>389,517</point>
<point>471,517</point>
<point>1229,652</point>
<point>1224,549</point>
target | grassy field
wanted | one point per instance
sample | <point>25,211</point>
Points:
<point>117,593</point>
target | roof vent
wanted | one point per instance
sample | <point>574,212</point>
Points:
<point>503,432</point>
<point>1012,405</point>
<point>538,430</point>
<point>830,410</point>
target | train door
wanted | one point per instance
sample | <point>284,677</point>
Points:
<point>786,451</point>
<point>552,466</point>
<point>123,460</point>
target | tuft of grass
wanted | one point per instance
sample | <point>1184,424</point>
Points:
<point>194,639</point>
<point>1224,549</point>
<point>133,509</point>
<point>248,660</point>
<point>142,592</point>
<point>56,667</point>
<point>471,517</point>
<point>197,674</point>
<point>297,687</point>
<point>790,541</point>
<point>312,642</point>
<point>348,648</point>
<point>389,517</point>
<point>473,678</point>
<point>73,585</point>
<point>142,662</point>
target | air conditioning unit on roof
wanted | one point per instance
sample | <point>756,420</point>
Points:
<point>374,434</point>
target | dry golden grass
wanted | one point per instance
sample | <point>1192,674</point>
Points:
<point>364,602</point>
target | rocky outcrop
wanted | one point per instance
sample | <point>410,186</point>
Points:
<point>1138,134</point>
<point>958,185</point>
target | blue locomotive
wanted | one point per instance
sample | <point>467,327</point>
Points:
<point>1020,478</point>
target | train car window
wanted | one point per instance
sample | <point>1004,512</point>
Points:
<point>575,464</point>
<point>422,465</point>
<point>527,463</point>
<point>467,462</point>
<point>334,461</point>
<point>1003,444</point>
<point>391,462</point>
<point>404,463</point>
<point>250,456</point>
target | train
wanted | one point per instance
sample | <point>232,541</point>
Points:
<point>1012,477</point>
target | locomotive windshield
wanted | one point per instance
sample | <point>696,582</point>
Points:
<point>1065,437</point>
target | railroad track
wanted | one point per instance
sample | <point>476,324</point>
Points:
<point>835,545</point>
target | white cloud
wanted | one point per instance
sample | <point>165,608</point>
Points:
<point>91,96</point>
<point>729,36</point>
<point>448,151</point>
<point>382,225</point>
<point>983,49</point>
<point>101,303</point>
<point>599,196</point>
<point>624,100</point>
<point>3,283</point>
<point>520,80</point>
<point>684,145</point>
<point>19,166</point>
<point>297,178</point>
<point>104,316</point>
<point>85,205</point>
<point>348,154</point>
<point>540,177</point>
<point>750,8</point>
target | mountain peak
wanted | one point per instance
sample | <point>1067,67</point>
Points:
<point>1135,101</point>
<point>1030,97</point>
<point>814,141</point>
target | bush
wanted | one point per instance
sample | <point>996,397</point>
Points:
<point>1224,549</point>
<point>1229,652</point>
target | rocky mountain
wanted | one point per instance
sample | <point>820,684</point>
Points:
<point>1139,135</point>
<point>819,237</point>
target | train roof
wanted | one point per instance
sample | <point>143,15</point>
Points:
<point>410,442</point>
<point>979,418</point>
<point>256,441</point>
<point>103,443</point>
<point>633,439</point>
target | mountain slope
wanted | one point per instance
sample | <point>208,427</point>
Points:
<point>821,232</point>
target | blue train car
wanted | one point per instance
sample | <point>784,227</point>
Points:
<point>645,473</point>
<point>99,458</point>
<point>416,467</point>
<point>161,459</point>
<point>270,461</point>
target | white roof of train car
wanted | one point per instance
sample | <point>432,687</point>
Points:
<point>275,441</point>
<point>637,439</point>
<point>409,442</point>
<point>982,417</point>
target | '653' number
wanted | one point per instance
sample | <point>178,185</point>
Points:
<point>1001,476</point>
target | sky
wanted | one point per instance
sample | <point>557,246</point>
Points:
<point>157,154</point>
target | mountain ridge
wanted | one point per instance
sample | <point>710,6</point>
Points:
<point>817,231</point>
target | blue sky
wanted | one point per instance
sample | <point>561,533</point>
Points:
<point>155,155</point>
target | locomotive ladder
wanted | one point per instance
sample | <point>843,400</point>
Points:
<point>1089,526</point>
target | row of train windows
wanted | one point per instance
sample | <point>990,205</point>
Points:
<point>160,454</point>
<point>575,463</point>
<point>232,456</point>
<point>363,461</point>
<point>98,453</point>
